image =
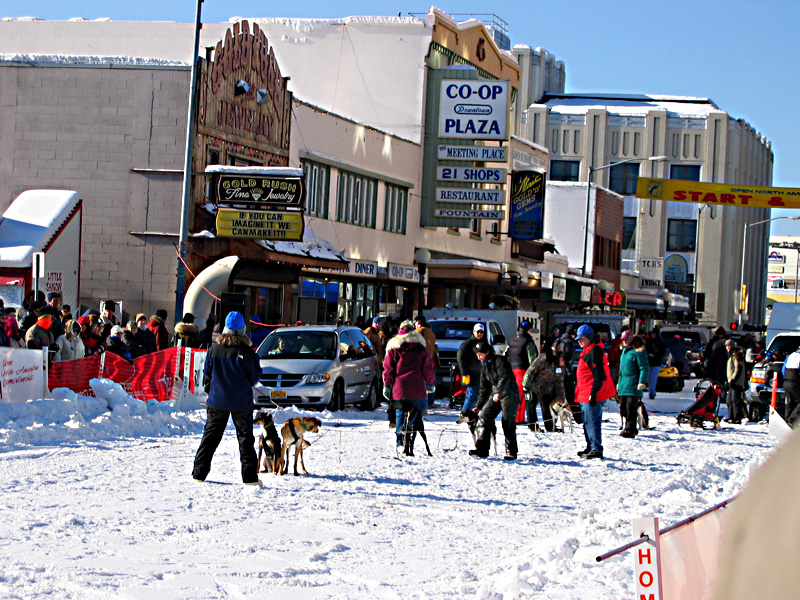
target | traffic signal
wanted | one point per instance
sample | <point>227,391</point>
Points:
<point>734,326</point>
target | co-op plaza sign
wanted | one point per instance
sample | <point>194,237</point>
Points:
<point>472,110</point>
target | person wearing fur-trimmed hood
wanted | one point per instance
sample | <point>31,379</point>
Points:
<point>186,332</point>
<point>231,370</point>
<point>408,374</point>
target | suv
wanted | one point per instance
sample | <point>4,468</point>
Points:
<point>760,391</point>
<point>451,332</point>
<point>320,366</point>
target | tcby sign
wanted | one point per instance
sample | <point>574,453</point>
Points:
<point>474,109</point>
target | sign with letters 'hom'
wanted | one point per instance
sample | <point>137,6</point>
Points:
<point>474,109</point>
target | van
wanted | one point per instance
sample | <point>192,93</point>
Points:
<point>784,318</point>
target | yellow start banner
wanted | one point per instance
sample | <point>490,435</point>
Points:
<point>260,224</point>
<point>717,193</point>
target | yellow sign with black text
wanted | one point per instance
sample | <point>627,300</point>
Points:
<point>260,224</point>
<point>717,193</point>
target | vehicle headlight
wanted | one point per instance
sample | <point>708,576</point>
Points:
<point>318,378</point>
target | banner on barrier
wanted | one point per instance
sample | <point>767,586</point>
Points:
<point>22,375</point>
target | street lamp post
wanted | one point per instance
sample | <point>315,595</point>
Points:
<point>422,256</point>
<point>744,255</point>
<point>592,170</point>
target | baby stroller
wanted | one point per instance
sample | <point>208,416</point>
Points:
<point>457,390</point>
<point>709,394</point>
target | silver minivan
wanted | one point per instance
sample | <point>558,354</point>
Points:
<point>320,366</point>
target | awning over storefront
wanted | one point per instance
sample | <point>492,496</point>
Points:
<point>465,269</point>
<point>675,302</point>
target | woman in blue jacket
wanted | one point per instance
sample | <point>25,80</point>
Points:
<point>634,371</point>
<point>232,369</point>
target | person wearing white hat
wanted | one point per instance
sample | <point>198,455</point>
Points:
<point>470,366</point>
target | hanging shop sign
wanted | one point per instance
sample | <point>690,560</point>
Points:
<point>260,224</point>
<point>470,196</point>
<point>398,272</point>
<point>494,215</point>
<point>651,273</point>
<point>717,193</point>
<point>559,289</point>
<point>242,91</point>
<point>473,153</point>
<point>527,205</point>
<point>474,109</point>
<point>776,257</point>
<point>471,174</point>
<point>268,191</point>
<point>676,269</point>
<point>612,300</point>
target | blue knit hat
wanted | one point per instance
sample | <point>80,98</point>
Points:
<point>234,323</point>
<point>585,331</point>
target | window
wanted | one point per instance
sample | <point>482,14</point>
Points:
<point>624,178</point>
<point>396,212</point>
<point>318,179</point>
<point>685,172</point>
<point>607,253</point>
<point>681,235</point>
<point>629,233</point>
<point>356,200</point>
<point>564,170</point>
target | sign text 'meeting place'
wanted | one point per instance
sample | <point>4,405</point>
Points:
<point>470,196</point>
<point>476,153</point>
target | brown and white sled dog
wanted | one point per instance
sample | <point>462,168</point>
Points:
<point>269,444</point>
<point>562,414</point>
<point>292,433</point>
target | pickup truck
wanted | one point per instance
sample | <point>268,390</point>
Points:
<point>450,333</point>
<point>760,388</point>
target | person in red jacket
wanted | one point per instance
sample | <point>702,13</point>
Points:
<point>408,376</point>
<point>159,330</point>
<point>594,386</point>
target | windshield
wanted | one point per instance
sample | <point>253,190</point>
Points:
<point>452,330</point>
<point>786,344</point>
<point>299,344</point>
<point>690,338</point>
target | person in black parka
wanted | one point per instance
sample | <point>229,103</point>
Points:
<point>232,369</point>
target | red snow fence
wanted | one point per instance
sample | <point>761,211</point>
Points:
<point>150,376</point>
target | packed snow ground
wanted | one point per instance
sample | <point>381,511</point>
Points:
<point>99,503</point>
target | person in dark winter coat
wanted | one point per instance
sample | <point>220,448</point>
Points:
<point>231,370</point>
<point>656,351</point>
<point>207,334</point>
<point>521,353</point>
<point>565,345</point>
<point>144,337</point>
<point>159,330</point>
<point>116,345</point>
<point>408,374</point>
<point>130,341</point>
<point>594,386</point>
<point>498,392</point>
<point>716,356</point>
<point>544,382</point>
<point>634,373</point>
<point>737,380</point>
<point>93,344</point>
<point>38,336</point>
<point>470,366</point>
<point>186,332</point>
<point>257,331</point>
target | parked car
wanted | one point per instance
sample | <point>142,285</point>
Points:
<point>760,389</point>
<point>320,366</point>
<point>695,340</point>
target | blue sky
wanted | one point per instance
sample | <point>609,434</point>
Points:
<point>742,55</point>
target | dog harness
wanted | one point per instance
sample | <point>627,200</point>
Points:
<point>293,432</point>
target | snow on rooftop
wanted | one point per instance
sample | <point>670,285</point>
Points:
<point>31,221</point>
<point>34,60</point>
<point>675,106</point>
<point>267,171</point>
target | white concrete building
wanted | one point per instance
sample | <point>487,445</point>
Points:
<point>701,142</point>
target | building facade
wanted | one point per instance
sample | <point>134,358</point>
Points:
<point>691,139</point>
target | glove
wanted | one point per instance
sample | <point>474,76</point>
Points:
<point>430,388</point>
<point>641,386</point>
<point>592,400</point>
<point>54,348</point>
<point>387,392</point>
<point>465,380</point>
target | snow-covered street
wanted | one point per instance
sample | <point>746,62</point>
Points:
<point>101,504</point>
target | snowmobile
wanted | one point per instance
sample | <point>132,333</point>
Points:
<point>669,380</point>
<point>709,395</point>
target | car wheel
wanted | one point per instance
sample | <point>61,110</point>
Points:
<point>371,402</point>
<point>337,399</point>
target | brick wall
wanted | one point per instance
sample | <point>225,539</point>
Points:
<point>85,129</point>
<point>608,237</point>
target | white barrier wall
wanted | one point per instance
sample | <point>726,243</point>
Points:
<point>23,375</point>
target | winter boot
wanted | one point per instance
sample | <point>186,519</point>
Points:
<point>511,450</point>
